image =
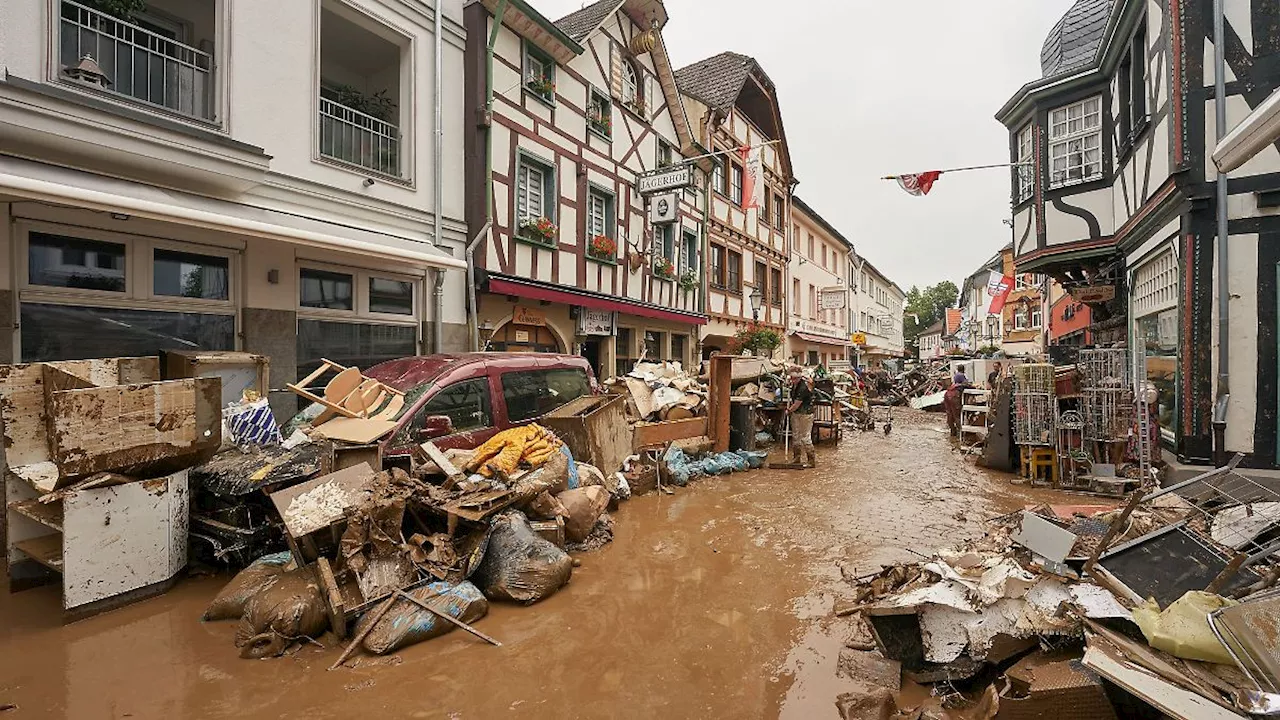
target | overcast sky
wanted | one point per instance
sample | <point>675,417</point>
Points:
<point>877,87</point>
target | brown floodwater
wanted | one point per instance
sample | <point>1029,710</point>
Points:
<point>713,602</point>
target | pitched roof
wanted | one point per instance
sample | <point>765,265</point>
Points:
<point>1074,41</point>
<point>934,329</point>
<point>955,316</point>
<point>804,207</point>
<point>581,23</point>
<point>718,80</point>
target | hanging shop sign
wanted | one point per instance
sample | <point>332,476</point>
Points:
<point>834,299</point>
<point>529,316</point>
<point>1094,293</point>
<point>596,322</point>
<point>676,177</point>
<point>858,338</point>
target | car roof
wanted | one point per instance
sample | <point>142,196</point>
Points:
<point>408,373</point>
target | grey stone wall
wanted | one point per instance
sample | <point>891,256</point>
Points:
<point>274,333</point>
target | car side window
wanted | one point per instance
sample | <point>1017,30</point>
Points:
<point>534,393</point>
<point>465,403</point>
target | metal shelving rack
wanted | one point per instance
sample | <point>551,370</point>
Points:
<point>1034,405</point>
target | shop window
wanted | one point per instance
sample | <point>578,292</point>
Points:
<point>352,343</point>
<point>326,290</point>
<point>394,297</point>
<point>68,262</point>
<point>1155,310</point>
<point>73,332</point>
<point>653,345</point>
<point>190,275</point>
<point>813,358</point>
<point>624,359</point>
<point>678,344</point>
<point>524,338</point>
<point>531,394</point>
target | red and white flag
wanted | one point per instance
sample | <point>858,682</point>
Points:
<point>753,178</point>
<point>998,287</point>
<point>920,183</point>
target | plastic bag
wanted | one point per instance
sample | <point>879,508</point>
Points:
<point>250,423</point>
<point>288,609</point>
<point>259,575</point>
<point>1182,630</point>
<point>754,460</point>
<point>678,466</point>
<point>519,565</point>
<point>406,623</point>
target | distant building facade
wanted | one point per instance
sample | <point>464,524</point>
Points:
<point>817,328</point>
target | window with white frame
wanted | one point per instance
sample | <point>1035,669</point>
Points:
<point>1155,285</point>
<point>1021,318</point>
<point>1037,316</point>
<point>718,180</point>
<point>88,293</point>
<point>599,214</point>
<point>1075,142</point>
<point>1025,170</point>
<point>600,113</point>
<point>539,74</point>
<point>535,197</point>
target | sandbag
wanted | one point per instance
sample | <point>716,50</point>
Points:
<point>288,609</point>
<point>260,574</point>
<point>518,564</point>
<point>406,623</point>
<point>552,477</point>
<point>590,476</point>
<point>585,506</point>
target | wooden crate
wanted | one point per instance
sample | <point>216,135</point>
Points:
<point>595,429</point>
<point>239,371</point>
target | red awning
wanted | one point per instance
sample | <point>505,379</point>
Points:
<point>582,299</point>
<point>821,340</point>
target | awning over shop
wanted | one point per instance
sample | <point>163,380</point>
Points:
<point>61,186</point>
<point>821,339</point>
<point>538,291</point>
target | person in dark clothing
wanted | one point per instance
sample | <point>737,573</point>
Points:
<point>801,412</point>
<point>993,377</point>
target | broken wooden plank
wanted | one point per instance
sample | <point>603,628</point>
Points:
<point>333,598</point>
<point>360,431</point>
<point>359,638</point>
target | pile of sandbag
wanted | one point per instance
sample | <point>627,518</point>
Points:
<point>519,565</point>
<point>277,603</point>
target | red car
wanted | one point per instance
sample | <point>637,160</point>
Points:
<point>460,401</point>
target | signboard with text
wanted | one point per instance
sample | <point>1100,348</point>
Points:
<point>595,322</point>
<point>672,178</point>
<point>529,316</point>
<point>1094,293</point>
<point>858,338</point>
<point>834,299</point>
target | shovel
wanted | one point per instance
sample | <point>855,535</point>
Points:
<point>786,464</point>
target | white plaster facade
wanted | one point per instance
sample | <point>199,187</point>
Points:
<point>211,199</point>
<point>876,309</point>
<point>819,257</point>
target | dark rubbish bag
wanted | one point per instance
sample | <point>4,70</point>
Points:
<point>259,575</point>
<point>290,609</point>
<point>406,623</point>
<point>520,565</point>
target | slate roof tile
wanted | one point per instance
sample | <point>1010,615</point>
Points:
<point>579,24</point>
<point>1074,42</point>
<point>716,81</point>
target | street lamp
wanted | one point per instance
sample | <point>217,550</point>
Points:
<point>756,299</point>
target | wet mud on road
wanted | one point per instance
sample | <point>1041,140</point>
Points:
<point>713,602</point>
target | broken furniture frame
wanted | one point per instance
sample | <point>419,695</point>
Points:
<point>348,394</point>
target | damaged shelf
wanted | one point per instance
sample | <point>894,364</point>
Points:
<point>47,514</point>
<point>46,550</point>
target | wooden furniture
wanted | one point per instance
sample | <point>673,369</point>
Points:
<point>595,429</point>
<point>107,546</point>
<point>1040,464</point>
<point>973,420</point>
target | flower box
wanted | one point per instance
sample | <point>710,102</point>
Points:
<point>604,248</point>
<point>539,230</point>
<point>689,280</point>
<point>602,125</point>
<point>543,86</point>
<point>664,269</point>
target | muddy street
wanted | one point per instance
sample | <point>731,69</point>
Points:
<point>713,602</point>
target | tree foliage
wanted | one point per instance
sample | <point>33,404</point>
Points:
<point>928,306</point>
<point>123,9</point>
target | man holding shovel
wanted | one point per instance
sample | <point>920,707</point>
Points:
<point>801,417</point>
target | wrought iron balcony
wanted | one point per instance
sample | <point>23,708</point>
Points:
<point>353,137</point>
<point>137,63</point>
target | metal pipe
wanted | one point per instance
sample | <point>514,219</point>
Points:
<point>437,80</point>
<point>471,285</point>
<point>473,310</point>
<point>1224,295</point>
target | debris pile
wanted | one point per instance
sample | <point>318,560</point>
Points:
<point>1058,603</point>
<point>658,392</point>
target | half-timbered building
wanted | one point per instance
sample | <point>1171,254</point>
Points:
<point>733,104</point>
<point>1116,201</point>
<point>571,255</point>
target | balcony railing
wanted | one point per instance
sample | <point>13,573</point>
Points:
<point>140,64</point>
<point>353,137</point>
